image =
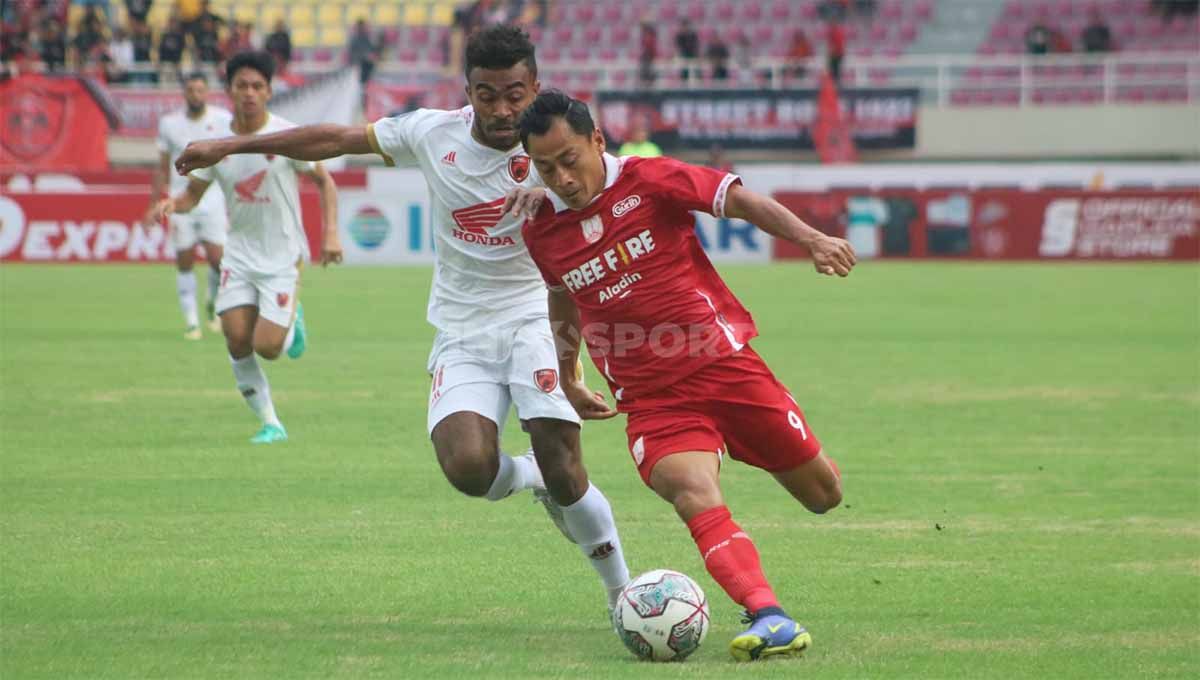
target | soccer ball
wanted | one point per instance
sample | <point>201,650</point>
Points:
<point>662,616</point>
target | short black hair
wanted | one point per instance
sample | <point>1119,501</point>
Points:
<point>196,75</point>
<point>551,104</point>
<point>258,60</point>
<point>500,47</point>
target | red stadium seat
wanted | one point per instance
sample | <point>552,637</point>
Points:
<point>620,35</point>
<point>725,11</point>
<point>696,11</point>
<point>583,13</point>
<point>924,9</point>
<point>668,13</point>
<point>613,13</point>
<point>750,11</point>
<point>579,54</point>
<point>593,34</point>
<point>780,11</point>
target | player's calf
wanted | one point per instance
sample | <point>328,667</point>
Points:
<point>559,455</point>
<point>817,484</point>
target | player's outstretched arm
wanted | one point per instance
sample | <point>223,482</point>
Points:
<point>158,181</point>
<point>304,143</point>
<point>830,255</point>
<point>183,203</point>
<point>565,325</point>
<point>331,244</point>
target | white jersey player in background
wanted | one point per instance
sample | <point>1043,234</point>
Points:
<point>260,273</point>
<point>207,223</point>
<point>493,346</point>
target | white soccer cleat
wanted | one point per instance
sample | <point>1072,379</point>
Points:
<point>192,333</point>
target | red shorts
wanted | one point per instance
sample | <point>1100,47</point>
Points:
<point>734,405</point>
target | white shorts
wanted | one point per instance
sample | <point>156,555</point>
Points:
<point>273,295</point>
<point>485,376</point>
<point>188,229</point>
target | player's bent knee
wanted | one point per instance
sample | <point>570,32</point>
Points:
<point>268,352</point>
<point>469,472</point>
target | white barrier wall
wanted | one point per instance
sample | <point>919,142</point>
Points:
<point>390,221</point>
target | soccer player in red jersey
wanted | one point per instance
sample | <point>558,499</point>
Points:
<point>617,247</point>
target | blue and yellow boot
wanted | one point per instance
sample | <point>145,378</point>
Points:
<point>771,633</point>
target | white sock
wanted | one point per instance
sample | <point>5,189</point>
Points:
<point>252,383</point>
<point>590,521</point>
<point>185,285</point>
<point>515,474</point>
<point>214,282</point>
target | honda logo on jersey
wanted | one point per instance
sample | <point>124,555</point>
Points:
<point>475,221</point>
<point>247,189</point>
<point>518,168</point>
<point>593,228</point>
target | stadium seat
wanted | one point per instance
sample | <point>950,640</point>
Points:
<point>270,14</point>
<point>443,14</point>
<point>302,16</point>
<point>333,36</point>
<point>416,14</point>
<point>329,16</point>
<point>304,37</point>
<point>387,14</point>
<point>247,14</point>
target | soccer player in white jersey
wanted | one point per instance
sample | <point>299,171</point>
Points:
<point>493,346</point>
<point>207,223</point>
<point>260,272</point>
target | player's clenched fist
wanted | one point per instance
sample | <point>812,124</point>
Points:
<point>199,155</point>
<point>833,256</point>
<point>588,404</point>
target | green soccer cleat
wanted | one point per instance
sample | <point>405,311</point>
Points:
<point>269,434</point>
<point>299,338</point>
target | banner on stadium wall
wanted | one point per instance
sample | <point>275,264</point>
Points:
<point>53,123</point>
<point>391,222</point>
<point>1005,224</point>
<point>99,227</point>
<point>880,118</point>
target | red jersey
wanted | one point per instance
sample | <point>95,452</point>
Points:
<point>653,308</point>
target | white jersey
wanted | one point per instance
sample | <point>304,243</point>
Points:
<point>483,277</point>
<point>266,235</point>
<point>175,131</point>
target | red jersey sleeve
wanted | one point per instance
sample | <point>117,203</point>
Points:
<point>690,186</point>
<point>542,220</point>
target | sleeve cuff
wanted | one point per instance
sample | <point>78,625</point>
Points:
<point>718,204</point>
<point>374,142</point>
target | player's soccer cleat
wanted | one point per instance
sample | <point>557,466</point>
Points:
<point>213,323</point>
<point>299,336</point>
<point>541,495</point>
<point>192,333</point>
<point>269,434</point>
<point>770,635</point>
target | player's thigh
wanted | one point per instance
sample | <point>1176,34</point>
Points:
<point>276,309</point>
<point>237,325</point>
<point>689,481</point>
<point>532,375</point>
<point>465,422</point>
<point>213,254</point>
<point>659,436</point>
<point>183,232</point>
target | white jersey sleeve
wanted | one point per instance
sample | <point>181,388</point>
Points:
<point>161,141</point>
<point>398,138</point>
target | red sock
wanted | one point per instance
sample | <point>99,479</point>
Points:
<point>731,558</point>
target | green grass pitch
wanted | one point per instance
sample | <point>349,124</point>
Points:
<point>1020,445</point>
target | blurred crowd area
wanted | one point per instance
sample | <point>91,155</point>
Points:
<point>717,41</point>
